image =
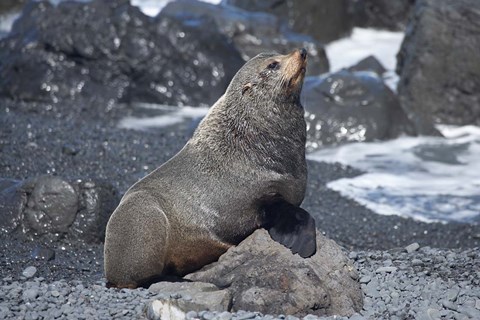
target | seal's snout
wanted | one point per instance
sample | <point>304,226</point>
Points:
<point>303,53</point>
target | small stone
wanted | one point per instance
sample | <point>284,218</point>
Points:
<point>477,304</point>
<point>157,310</point>
<point>470,312</point>
<point>208,315</point>
<point>42,253</point>
<point>449,305</point>
<point>191,315</point>
<point>29,272</point>
<point>289,317</point>
<point>386,269</point>
<point>412,247</point>
<point>353,255</point>
<point>246,315</point>
<point>452,294</point>
<point>310,317</point>
<point>55,293</point>
<point>417,262</point>
<point>224,316</point>
<point>365,279</point>
<point>30,294</point>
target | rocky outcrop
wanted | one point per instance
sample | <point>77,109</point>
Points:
<point>324,20</point>
<point>101,52</point>
<point>439,64</point>
<point>381,14</point>
<point>49,205</point>
<point>264,276</point>
<point>351,107</point>
<point>251,32</point>
<point>369,63</point>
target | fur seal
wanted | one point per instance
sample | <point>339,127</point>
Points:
<point>243,169</point>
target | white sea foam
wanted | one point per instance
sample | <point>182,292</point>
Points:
<point>153,7</point>
<point>384,45</point>
<point>426,178</point>
<point>173,115</point>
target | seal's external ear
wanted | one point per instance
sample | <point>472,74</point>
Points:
<point>246,87</point>
<point>291,226</point>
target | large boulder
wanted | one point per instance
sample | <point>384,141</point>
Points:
<point>381,14</point>
<point>324,20</point>
<point>251,32</point>
<point>48,205</point>
<point>351,107</point>
<point>439,64</point>
<point>101,52</point>
<point>262,275</point>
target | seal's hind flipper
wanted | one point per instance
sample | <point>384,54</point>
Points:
<point>291,226</point>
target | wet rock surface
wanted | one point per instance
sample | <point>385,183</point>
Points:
<point>325,20</point>
<point>264,276</point>
<point>351,107</point>
<point>381,14</point>
<point>126,56</point>
<point>251,32</point>
<point>51,206</point>
<point>438,63</point>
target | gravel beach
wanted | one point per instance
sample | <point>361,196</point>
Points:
<point>441,279</point>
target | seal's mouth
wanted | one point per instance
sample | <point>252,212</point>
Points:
<point>296,67</point>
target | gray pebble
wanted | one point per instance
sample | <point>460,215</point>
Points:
<point>365,279</point>
<point>417,262</point>
<point>246,315</point>
<point>191,315</point>
<point>30,294</point>
<point>224,316</point>
<point>208,315</point>
<point>452,294</point>
<point>449,305</point>
<point>29,272</point>
<point>412,247</point>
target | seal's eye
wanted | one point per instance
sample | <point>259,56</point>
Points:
<point>273,66</point>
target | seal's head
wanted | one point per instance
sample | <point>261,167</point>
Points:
<point>281,76</point>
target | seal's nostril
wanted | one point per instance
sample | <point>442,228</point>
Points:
<point>303,53</point>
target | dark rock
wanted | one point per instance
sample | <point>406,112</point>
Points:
<point>351,106</point>
<point>265,276</point>
<point>324,20</point>
<point>438,62</point>
<point>381,14</point>
<point>370,63</point>
<point>251,32</point>
<point>10,5</point>
<point>97,202</point>
<point>51,205</point>
<point>101,52</point>
<point>11,205</point>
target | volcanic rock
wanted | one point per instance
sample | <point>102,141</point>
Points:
<point>351,107</point>
<point>438,62</point>
<point>324,20</point>
<point>264,276</point>
<point>101,52</point>
<point>251,32</point>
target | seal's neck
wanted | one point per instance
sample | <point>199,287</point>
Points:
<point>265,132</point>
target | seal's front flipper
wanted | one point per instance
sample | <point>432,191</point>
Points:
<point>291,226</point>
